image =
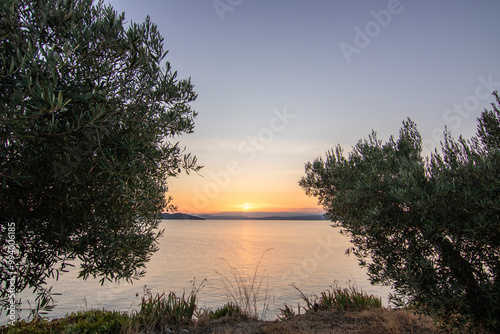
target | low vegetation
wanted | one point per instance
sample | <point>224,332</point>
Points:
<point>344,310</point>
<point>92,321</point>
<point>228,311</point>
<point>338,298</point>
<point>163,311</point>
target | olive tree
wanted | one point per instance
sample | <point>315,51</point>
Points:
<point>90,113</point>
<point>429,227</point>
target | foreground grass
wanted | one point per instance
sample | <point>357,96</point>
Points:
<point>247,292</point>
<point>342,310</point>
<point>373,321</point>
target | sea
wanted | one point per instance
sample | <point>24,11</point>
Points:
<point>278,261</point>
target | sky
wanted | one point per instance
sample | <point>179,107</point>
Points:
<point>281,82</point>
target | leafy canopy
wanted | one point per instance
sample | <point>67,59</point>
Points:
<point>89,114</point>
<point>428,227</point>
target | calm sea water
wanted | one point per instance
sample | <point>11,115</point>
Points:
<point>307,254</point>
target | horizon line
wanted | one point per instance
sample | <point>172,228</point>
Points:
<point>254,213</point>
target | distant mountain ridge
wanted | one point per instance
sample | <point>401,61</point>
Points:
<point>180,216</point>
<point>185,216</point>
<point>241,217</point>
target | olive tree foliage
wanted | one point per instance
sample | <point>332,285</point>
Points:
<point>429,227</point>
<point>89,116</point>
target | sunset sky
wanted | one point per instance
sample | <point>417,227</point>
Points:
<point>281,82</point>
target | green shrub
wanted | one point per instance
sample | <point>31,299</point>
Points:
<point>229,310</point>
<point>349,299</point>
<point>157,312</point>
<point>82,322</point>
<point>96,321</point>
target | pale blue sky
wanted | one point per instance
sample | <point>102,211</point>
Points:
<point>251,58</point>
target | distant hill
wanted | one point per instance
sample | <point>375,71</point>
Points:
<point>179,216</point>
<point>236,216</point>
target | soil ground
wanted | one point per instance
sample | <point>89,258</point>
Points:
<point>373,321</point>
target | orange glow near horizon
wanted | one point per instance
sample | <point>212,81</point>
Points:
<point>254,189</point>
<point>229,202</point>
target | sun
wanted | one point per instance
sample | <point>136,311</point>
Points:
<point>247,206</point>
